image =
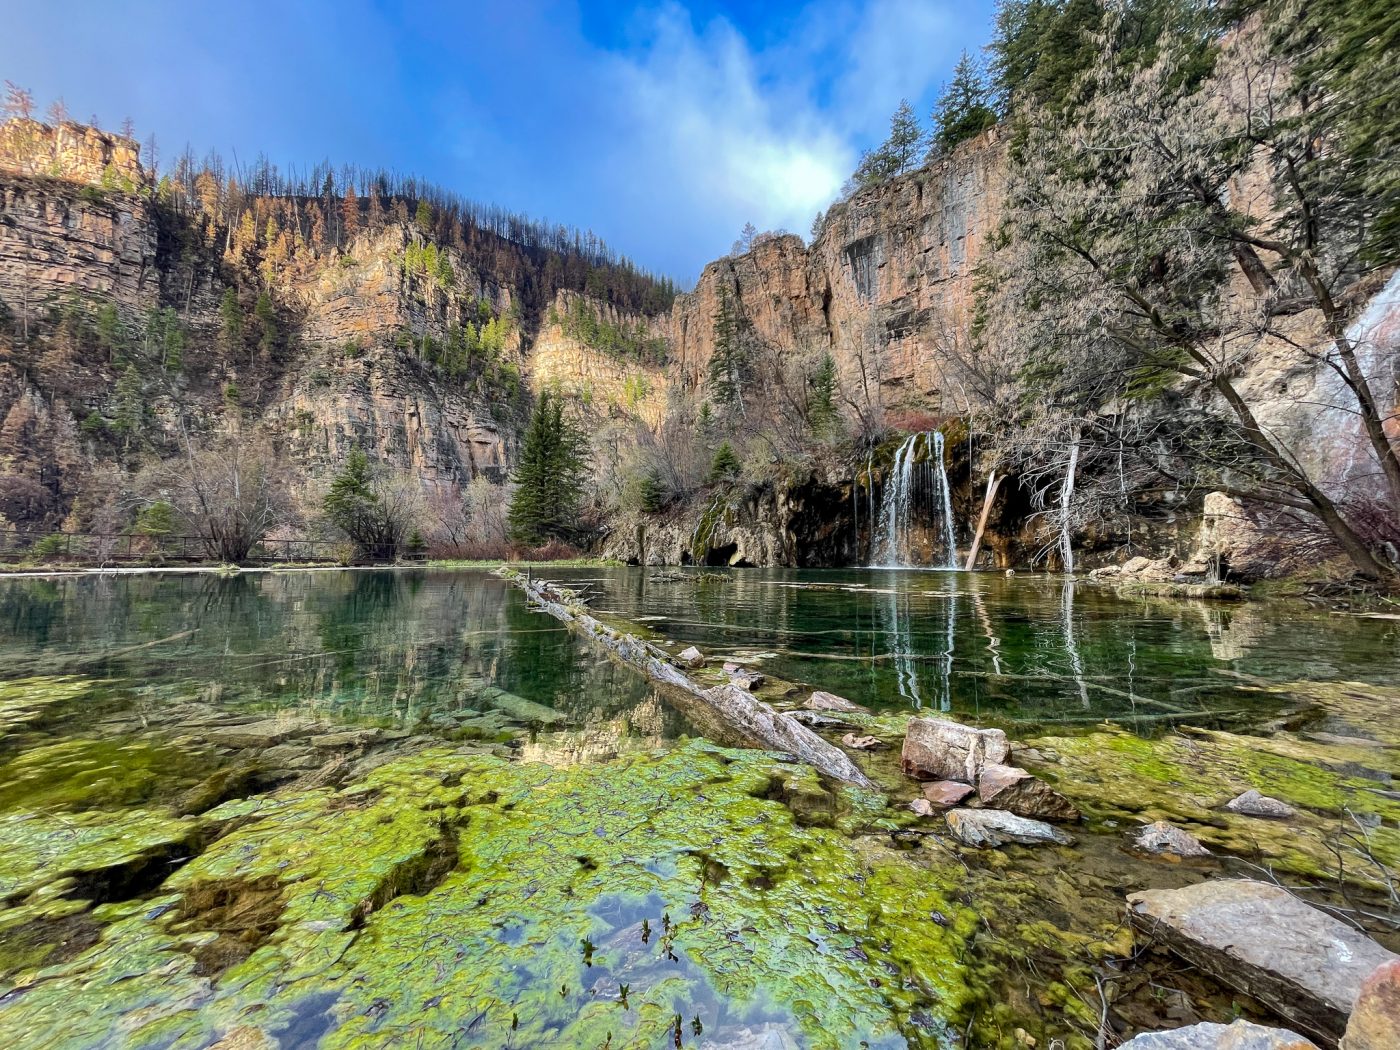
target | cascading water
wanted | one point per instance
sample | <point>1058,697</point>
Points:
<point>917,486</point>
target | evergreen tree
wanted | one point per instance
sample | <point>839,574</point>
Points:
<point>652,491</point>
<point>898,153</point>
<point>265,314</point>
<point>109,330</point>
<point>423,218</point>
<point>963,110</point>
<point>130,406</point>
<point>822,414</point>
<point>725,465</point>
<point>365,510</point>
<point>728,371</point>
<point>1040,50</point>
<point>549,477</point>
<point>231,322</point>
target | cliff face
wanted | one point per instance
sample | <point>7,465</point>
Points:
<point>886,287</point>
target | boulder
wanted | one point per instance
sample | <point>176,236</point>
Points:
<point>1256,937</point>
<point>863,743</point>
<point>1162,837</point>
<point>947,793</point>
<point>1253,804</point>
<point>1013,789</point>
<point>817,720</point>
<point>1375,1020</point>
<point>1242,1035</point>
<point>820,701</point>
<point>991,827</point>
<point>935,749</point>
<point>691,657</point>
<point>923,807</point>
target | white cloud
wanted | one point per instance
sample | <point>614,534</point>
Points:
<point>708,135</point>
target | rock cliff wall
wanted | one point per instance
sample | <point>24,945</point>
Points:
<point>886,287</point>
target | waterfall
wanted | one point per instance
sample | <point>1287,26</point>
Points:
<point>914,487</point>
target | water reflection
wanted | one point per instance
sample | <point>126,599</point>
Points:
<point>1035,649</point>
<point>407,649</point>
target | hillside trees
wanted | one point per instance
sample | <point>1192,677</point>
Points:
<point>376,509</point>
<point>1129,275</point>
<point>963,110</point>
<point>549,477</point>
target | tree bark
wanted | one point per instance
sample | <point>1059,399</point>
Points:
<point>993,484</point>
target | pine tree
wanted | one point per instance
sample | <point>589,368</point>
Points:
<point>423,218</point>
<point>130,406</point>
<point>725,465</point>
<point>549,477</point>
<point>963,110</point>
<point>728,371</point>
<point>822,414</point>
<point>230,323</point>
<point>266,317</point>
<point>905,143</point>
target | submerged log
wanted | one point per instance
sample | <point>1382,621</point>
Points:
<point>728,712</point>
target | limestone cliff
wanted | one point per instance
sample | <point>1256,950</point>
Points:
<point>885,287</point>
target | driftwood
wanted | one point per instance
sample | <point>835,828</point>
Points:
<point>726,711</point>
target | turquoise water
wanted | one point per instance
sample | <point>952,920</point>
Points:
<point>1022,649</point>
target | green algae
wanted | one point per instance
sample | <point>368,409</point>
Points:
<point>25,701</point>
<point>690,885</point>
<point>109,773</point>
<point>1344,821</point>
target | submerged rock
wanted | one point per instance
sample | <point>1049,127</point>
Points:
<point>267,733</point>
<point>991,827</point>
<point>863,743</point>
<point>764,1037</point>
<point>691,657</point>
<point>820,701</point>
<point>1242,1035</point>
<point>1375,1020</point>
<point>1162,837</point>
<point>1262,940</point>
<point>947,793</point>
<point>935,749</point>
<point>922,807</point>
<point>1253,804</point>
<point>1013,789</point>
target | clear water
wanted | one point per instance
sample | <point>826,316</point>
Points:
<point>404,649</point>
<point>150,897</point>
<point>1022,649</point>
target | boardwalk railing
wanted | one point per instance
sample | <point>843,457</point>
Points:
<point>90,548</point>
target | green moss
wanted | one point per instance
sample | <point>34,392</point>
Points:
<point>522,898</point>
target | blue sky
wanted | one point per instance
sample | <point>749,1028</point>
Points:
<point>660,126</point>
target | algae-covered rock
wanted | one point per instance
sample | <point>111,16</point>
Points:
<point>528,905</point>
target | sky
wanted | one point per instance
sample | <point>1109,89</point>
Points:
<point>662,127</point>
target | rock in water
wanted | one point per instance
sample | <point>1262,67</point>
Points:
<point>1242,1035</point>
<point>1259,938</point>
<point>947,793</point>
<point>922,806</point>
<point>820,701</point>
<point>1375,1020</point>
<point>691,657</point>
<point>1253,804</point>
<point>1013,789</point>
<point>1162,837</point>
<point>938,750</point>
<point>992,827</point>
<point>863,743</point>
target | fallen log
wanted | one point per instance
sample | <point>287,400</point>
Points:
<point>726,711</point>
